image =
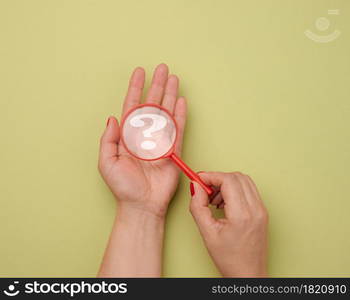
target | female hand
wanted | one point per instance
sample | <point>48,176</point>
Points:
<point>143,185</point>
<point>238,242</point>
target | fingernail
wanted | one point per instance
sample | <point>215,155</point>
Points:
<point>108,121</point>
<point>192,189</point>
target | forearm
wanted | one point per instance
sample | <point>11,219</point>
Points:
<point>135,245</point>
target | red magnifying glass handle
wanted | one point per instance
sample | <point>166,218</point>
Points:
<point>190,173</point>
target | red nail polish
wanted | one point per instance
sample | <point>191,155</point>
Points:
<point>192,189</point>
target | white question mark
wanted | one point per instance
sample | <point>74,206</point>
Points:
<point>158,123</point>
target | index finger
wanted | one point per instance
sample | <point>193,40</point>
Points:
<point>230,189</point>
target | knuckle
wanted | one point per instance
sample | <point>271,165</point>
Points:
<point>101,167</point>
<point>231,176</point>
<point>231,180</point>
<point>248,177</point>
<point>237,173</point>
<point>262,216</point>
<point>101,139</point>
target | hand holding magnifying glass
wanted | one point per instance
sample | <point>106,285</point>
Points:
<point>149,132</point>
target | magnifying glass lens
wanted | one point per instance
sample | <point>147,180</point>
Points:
<point>149,132</point>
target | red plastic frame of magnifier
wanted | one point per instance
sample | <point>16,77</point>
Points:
<point>170,154</point>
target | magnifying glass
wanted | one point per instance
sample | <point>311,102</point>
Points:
<point>149,132</point>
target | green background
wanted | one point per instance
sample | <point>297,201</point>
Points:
<point>263,99</point>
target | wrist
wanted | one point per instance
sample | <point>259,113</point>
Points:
<point>138,215</point>
<point>149,206</point>
<point>245,271</point>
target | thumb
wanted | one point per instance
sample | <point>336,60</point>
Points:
<point>199,207</point>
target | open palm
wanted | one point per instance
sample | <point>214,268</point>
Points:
<point>143,184</point>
